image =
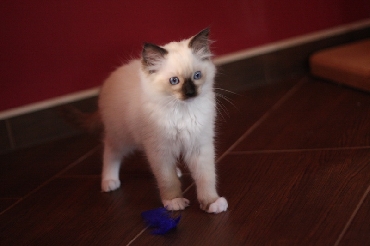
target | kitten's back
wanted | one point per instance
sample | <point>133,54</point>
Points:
<point>121,88</point>
<point>120,96</point>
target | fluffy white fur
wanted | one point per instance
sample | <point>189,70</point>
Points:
<point>140,109</point>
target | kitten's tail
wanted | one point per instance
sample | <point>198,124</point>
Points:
<point>87,122</point>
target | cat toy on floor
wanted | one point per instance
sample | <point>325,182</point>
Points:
<point>161,220</point>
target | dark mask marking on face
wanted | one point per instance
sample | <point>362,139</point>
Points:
<point>189,89</point>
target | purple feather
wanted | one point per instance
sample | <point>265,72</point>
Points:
<point>161,220</point>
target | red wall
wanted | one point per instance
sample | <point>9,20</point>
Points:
<point>51,47</point>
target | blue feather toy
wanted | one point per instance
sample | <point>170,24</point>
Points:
<point>161,220</point>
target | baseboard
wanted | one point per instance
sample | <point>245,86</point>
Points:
<point>41,122</point>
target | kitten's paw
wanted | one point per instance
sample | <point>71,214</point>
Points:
<point>110,185</point>
<point>220,205</point>
<point>176,204</point>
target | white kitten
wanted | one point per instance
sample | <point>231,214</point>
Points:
<point>164,104</point>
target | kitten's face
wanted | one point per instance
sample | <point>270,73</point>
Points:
<point>180,69</point>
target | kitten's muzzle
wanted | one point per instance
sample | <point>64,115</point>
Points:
<point>189,89</point>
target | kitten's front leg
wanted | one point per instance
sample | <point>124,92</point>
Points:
<point>164,169</point>
<point>202,167</point>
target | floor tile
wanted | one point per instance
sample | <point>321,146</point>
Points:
<point>7,202</point>
<point>238,112</point>
<point>295,198</point>
<point>24,170</point>
<point>358,232</point>
<point>318,115</point>
<point>73,211</point>
<point>134,164</point>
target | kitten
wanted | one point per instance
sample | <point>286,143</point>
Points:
<point>164,104</point>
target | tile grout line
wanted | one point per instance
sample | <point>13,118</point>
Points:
<point>245,152</point>
<point>138,235</point>
<point>254,126</point>
<point>353,215</point>
<point>282,100</point>
<point>83,157</point>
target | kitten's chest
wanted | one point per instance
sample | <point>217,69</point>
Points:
<point>180,124</point>
<point>183,123</point>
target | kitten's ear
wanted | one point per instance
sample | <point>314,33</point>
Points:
<point>152,57</point>
<point>200,44</point>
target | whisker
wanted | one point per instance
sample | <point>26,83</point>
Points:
<point>221,106</point>
<point>171,102</point>
<point>219,112</point>
<point>221,89</point>
<point>227,100</point>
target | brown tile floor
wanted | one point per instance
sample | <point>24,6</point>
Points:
<point>294,164</point>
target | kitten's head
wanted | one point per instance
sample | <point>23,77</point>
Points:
<point>182,69</point>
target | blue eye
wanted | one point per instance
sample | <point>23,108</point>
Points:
<point>197,75</point>
<point>174,80</point>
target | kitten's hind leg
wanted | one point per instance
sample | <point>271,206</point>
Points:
<point>111,166</point>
